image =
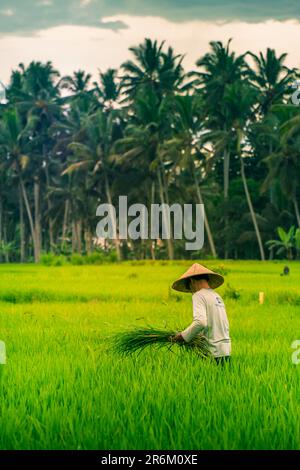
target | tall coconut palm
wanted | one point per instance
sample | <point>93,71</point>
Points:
<point>77,83</point>
<point>38,102</point>
<point>240,99</point>
<point>284,165</point>
<point>219,69</point>
<point>70,128</point>
<point>92,153</point>
<point>188,123</point>
<point>79,92</point>
<point>142,145</point>
<point>152,68</point>
<point>15,148</point>
<point>272,78</point>
<point>108,89</point>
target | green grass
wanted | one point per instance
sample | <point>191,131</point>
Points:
<point>64,388</point>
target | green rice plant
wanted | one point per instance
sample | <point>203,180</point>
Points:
<point>137,340</point>
<point>50,259</point>
<point>64,387</point>
<point>47,259</point>
<point>77,259</point>
<point>231,293</point>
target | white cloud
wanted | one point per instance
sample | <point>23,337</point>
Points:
<point>45,3</point>
<point>84,3</point>
<point>78,47</point>
<point>7,12</point>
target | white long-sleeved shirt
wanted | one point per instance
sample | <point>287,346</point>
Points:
<point>210,318</point>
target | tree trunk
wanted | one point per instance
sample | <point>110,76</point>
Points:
<point>65,224</point>
<point>79,235</point>
<point>49,203</point>
<point>6,253</point>
<point>152,249</point>
<point>296,206</point>
<point>152,242</point>
<point>271,189</point>
<point>165,183</point>
<point>253,216</point>
<point>162,200</point>
<point>88,241</point>
<point>51,233</point>
<point>22,228</point>
<point>226,168</point>
<point>74,237</point>
<point>30,218</point>
<point>37,219</point>
<point>206,223</point>
<point>109,200</point>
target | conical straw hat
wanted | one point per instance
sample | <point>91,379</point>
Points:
<point>215,279</point>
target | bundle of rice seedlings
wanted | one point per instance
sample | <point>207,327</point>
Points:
<point>137,340</point>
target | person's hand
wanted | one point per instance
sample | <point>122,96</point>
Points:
<point>178,338</point>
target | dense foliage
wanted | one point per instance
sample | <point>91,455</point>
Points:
<point>226,135</point>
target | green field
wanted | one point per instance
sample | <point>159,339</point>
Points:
<point>64,388</point>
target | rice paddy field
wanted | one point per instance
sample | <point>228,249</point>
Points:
<point>64,387</point>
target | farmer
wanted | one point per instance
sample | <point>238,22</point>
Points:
<point>209,314</point>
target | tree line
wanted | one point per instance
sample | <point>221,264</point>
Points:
<point>225,135</point>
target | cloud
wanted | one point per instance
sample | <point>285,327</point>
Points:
<point>45,3</point>
<point>30,16</point>
<point>84,3</point>
<point>91,48</point>
<point>7,12</point>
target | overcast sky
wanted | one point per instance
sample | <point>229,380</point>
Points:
<point>96,34</point>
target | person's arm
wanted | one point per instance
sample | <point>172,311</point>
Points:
<point>199,320</point>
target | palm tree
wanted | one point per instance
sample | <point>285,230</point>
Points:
<point>284,163</point>
<point>80,92</point>
<point>285,166</point>
<point>38,103</point>
<point>272,79</point>
<point>142,145</point>
<point>77,83</point>
<point>8,210</point>
<point>240,98</point>
<point>90,123</point>
<point>67,142</point>
<point>108,89</point>
<point>219,69</point>
<point>92,153</point>
<point>188,123</point>
<point>15,148</point>
<point>153,69</point>
<point>146,82</point>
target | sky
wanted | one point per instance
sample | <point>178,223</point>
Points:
<point>95,34</point>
